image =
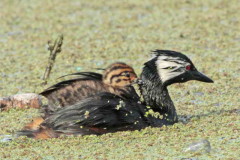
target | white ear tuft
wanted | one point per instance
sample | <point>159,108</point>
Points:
<point>169,67</point>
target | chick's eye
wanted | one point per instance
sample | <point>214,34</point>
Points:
<point>127,74</point>
<point>188,67</point>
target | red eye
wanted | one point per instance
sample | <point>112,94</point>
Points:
<point>188,67</point>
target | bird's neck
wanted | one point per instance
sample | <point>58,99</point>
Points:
<point>156,95</point>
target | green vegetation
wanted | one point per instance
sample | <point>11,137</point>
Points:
<point>97,33</point>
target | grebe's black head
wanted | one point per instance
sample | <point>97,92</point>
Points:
<point>174,67</point>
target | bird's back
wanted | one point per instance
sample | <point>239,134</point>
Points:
<point>116,79</point>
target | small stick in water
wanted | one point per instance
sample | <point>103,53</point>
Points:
<point>54,50</point>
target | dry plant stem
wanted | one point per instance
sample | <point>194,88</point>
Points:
<point>54,50</point>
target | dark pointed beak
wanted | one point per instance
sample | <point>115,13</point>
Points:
<point>196,75</point>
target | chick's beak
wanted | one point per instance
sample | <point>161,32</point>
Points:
<point>137,81</point>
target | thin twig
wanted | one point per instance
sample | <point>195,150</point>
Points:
<point>54,50</point>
